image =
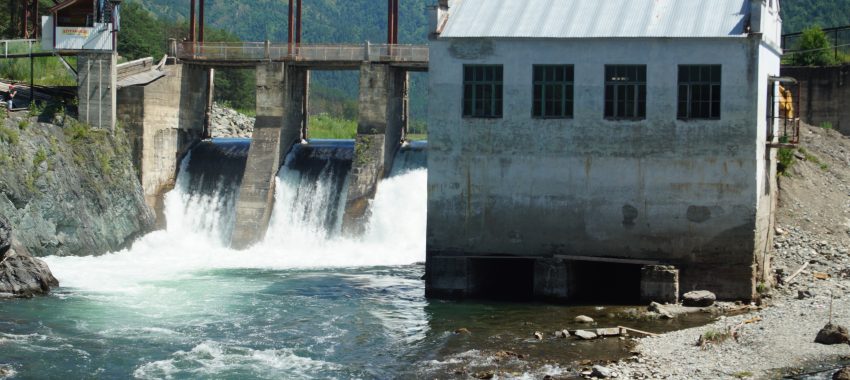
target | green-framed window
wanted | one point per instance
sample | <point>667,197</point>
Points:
<point>482,91</point>
<point>699,92</point>
<point>625,91</point>
<point>553,91</point>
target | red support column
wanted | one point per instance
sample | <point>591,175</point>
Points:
<point>291,25</point>
<point>395,22</point>
<point>389,21</point>
<point>201,22</point>
<point>192,21</point>
<point>298,24</point>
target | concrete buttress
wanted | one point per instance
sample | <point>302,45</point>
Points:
<point>161,129</point>
<point>280,114</point>
<point>379,134</point>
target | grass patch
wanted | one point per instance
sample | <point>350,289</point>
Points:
<point>327,127</point>
<point>24,124</point>
<point>713,337</point>
<point>826,125</point>
<point>36,108</point>
<point>39,158</point>
<point>813,159</point>
<point>78,131</point>
<point>9,135</point>
<point>762,288</point>
<point>48,71</point>
<point>743,374</point>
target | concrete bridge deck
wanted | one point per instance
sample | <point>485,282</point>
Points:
<point>310,56</point>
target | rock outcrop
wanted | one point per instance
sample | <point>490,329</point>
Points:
<point>21,275</point>
<point>68,189</point>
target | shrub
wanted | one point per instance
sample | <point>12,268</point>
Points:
<point>826,125</point>
<point>40,157</point>
<point>785,158</point>
<point>78,131</point>
<point>9,135</point>
<point>814,49</point>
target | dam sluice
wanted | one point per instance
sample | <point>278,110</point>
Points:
<point>310,188</point>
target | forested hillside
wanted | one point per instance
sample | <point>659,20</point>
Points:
<point>800,14</point>
<point>325,21</point>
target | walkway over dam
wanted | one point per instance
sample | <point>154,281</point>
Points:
<point>282,94</point>
<point>312,56</point>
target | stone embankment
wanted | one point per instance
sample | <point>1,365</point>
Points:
<point>68,189</point>
<point>229,123</point>
<point>812,268</point>
<point>21,275</point>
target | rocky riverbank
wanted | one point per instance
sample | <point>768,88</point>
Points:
<point>68,189</point>
<point>229,123</point>
<point>813,238</point>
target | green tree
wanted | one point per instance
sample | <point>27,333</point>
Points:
<point>814,48</point>
<point>142,34</point>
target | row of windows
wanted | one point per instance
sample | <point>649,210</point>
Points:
<point>625,91</point>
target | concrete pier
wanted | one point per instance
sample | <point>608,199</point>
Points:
<point>96,89</point>
<point>163,119</point>
<point>281,100</point>
<point>383,93</point>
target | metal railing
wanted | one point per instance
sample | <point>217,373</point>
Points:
<point>17,47</point>
<point>839,39</point>
<point>782,120</point>
<point>261,51</point>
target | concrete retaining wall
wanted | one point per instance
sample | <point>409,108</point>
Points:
<point>824,95</point>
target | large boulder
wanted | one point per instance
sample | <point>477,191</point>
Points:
<point>833,334</point>
<point>21,275</point>
<point>699,298</point>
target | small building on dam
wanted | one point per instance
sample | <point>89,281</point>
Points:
<point>584,150</point>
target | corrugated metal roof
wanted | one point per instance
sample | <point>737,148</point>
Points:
<point>597,18</point>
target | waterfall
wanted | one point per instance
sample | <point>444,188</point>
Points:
<point>303,231</point>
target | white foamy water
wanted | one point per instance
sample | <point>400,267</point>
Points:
<point>194,242</point>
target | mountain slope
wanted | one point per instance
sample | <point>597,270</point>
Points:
<point>800,14</point>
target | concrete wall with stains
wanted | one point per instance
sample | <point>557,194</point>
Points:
<point>679,192</point>
<point>824,95</point>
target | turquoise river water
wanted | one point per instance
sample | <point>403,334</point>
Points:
<point>304,303</point>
